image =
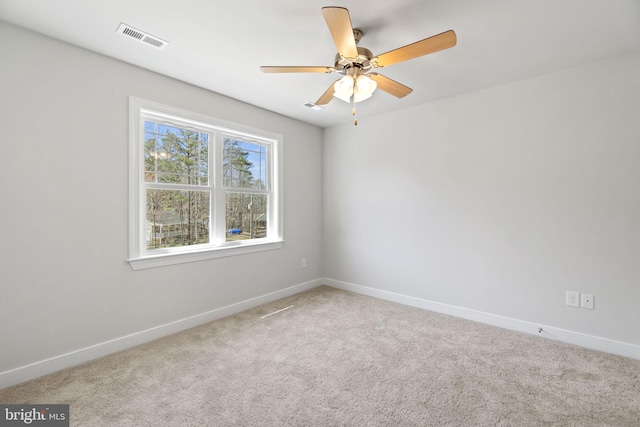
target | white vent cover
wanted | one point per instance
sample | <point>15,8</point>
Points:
<point>313,106</point>
<point>128,30</point>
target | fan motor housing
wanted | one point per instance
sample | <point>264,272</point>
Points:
<point>360,61</point>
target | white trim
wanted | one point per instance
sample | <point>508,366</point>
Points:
<point>67,360</point>
<point>73,358</point>
<point>576,338</point>
<point>173,258</point>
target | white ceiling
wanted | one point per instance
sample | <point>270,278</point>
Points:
<point>220,45</point>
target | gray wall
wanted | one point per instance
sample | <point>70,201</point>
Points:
<point>64,281</point>
<point>496,201</point>
<point>499,200</point>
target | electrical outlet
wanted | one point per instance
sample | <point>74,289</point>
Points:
<point>573,299</point>
<point>586,301</point>
<point>303,263</point>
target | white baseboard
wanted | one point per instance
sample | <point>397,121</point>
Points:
<point>63,361</point>
<point>570,337</point>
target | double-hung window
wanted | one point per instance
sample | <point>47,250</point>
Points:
<point>199,187</point>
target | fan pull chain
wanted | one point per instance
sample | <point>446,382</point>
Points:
<point>353,112</point>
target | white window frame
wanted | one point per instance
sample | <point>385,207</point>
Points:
<point>139,256</point>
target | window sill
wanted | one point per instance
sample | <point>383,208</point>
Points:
<point>162,260</point>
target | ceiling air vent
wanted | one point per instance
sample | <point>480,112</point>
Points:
<point>313,106</point>
<point>128,30</point>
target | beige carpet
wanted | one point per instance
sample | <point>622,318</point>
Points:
<point>340,359</point>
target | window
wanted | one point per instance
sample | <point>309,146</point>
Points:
<point>199,187</point>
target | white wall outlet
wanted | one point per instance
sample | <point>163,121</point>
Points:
<point>303,263</point>
<point>573,299</point>
<point>586,301</point>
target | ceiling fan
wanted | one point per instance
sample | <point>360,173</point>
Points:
<point>356,62</point>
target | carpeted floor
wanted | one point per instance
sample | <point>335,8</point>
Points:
<point>341,359</point>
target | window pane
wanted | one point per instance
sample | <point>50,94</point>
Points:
<point>175,155</point>
<point>246,216</point>
<point>245,165</point>
<point>150,151</point>
<point>177,218</point>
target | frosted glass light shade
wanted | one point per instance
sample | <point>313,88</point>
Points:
<point>345,98</point>
<point>361,88</point>
<point>364,88</point>
<point>365,85</point>
<point>359,97</point>
<point>344,88</point>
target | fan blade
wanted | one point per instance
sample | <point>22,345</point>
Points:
<point>390,86</point>
<point>423,47</point>
<point>275,69</point>
<point>327,96</point>
<point>339,24</point>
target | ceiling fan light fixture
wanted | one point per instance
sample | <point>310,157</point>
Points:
<point>354,61</point>
<point>343,97</point>
<point>359,97</point>
<point>344,88</point>
<point>364,88</point>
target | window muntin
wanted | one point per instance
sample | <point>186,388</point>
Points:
<point>200,188</point>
